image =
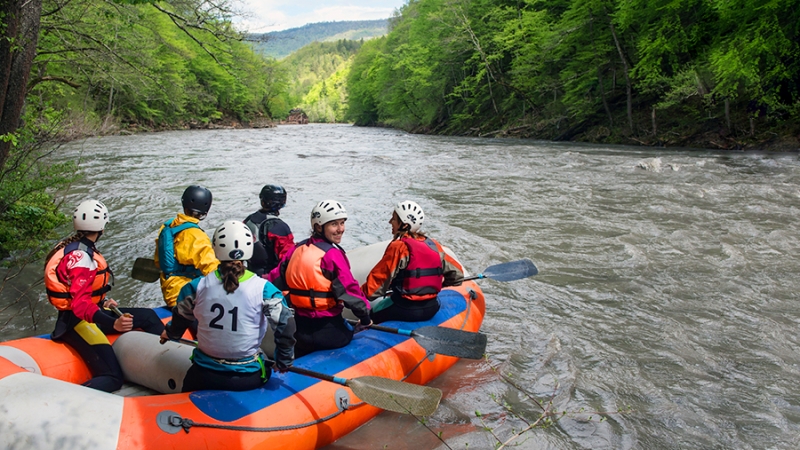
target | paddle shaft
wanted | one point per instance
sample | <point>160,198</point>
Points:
<point>383,328</point>
<point>321,376</point>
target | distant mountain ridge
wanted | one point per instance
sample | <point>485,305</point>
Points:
<point>280,44</point>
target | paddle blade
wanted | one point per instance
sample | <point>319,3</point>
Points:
<point>396,396</point>
<point>451,342</point>
<point>510,271</point>
<point>145,269</point>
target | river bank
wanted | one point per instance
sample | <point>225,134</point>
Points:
<point>711,134</point>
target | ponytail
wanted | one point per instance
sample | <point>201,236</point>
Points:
<point>411,234</point>
<point>74,237</point>
<point>231,271</point>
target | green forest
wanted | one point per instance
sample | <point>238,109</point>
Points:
<point>280,44</point>
<point>711,73</point>
<point>317,74</point>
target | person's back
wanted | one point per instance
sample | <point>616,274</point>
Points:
<point>273,236</point>
<point>183,250</point>
<point>232,307</point>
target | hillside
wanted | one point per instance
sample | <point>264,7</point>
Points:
<point>315,80</point>
<point>280,44</point>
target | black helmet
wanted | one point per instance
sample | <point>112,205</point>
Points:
<point>273,197</point>
<point>196,198</point>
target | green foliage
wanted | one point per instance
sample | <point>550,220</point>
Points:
<point>361,85</point>
<point>465,65</point>
<point>314,80</point>
<point>148,64</point>
<point>29,215</point>
<point>280,44</point>
<point>326,101</point>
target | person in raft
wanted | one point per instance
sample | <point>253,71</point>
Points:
<point>77,279</point>
<point>316,274</point>
<point>183,250</point>
<point>414,268</point>
<point>232,307</point>
<point>273,236</point>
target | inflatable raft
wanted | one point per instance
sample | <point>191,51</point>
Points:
<point>45,406</point>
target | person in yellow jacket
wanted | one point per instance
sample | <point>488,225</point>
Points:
<point>183,249</point>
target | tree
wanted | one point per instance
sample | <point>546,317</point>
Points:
<point>20,34</point>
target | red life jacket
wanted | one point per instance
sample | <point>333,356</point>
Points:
<point>308,287</point>
<point>423,278</point>
<point>58,290</point>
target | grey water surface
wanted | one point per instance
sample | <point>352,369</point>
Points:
<point>667,293</point>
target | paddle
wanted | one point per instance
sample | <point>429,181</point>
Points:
<point>145,269</point>
<point>380,392</point>
<point>441,340</point>
<point>386,393</point>
<point>510,271</point>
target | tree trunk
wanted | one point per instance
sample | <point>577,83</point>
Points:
<point>627,77</point>
<point>728,113</point>
<point>655,130</point>
<point>17,50</point>
<point>603,96</point>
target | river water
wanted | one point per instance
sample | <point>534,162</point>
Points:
<point>667,293</point>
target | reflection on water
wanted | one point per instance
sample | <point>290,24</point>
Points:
<point>667,278</point>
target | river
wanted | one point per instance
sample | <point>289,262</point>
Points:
<point>667,292</point>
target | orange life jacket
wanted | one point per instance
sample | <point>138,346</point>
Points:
<point>308,287</point>
<point>58,289</point>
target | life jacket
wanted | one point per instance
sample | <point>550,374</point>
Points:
<point>165,243</point>
<point>423,278</point>
<point>58,289</point>
<point>308,287</point>
<point>260,223</point>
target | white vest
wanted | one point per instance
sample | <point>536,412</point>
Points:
<point>230,326</point>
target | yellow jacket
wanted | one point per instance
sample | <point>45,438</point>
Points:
<point>192,248</point>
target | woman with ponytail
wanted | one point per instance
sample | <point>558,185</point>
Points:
<point>232,307</point>
<point>77,279</point>
<point>412,272</point>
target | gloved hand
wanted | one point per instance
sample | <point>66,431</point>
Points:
<point>281,364</point>
<point>281,367</point>
<point>362,325</point>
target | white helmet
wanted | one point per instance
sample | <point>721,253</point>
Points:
<point>90,215</point>
<point>233,241</point>
<point>326,211</point>
<point>411,214</point>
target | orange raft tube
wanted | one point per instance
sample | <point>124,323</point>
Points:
<point>44,405</point>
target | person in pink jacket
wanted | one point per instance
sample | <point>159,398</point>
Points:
<point>317,278</point>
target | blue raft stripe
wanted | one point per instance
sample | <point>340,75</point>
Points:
<point>229,406</point>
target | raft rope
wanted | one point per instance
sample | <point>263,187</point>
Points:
<point>186,423</point>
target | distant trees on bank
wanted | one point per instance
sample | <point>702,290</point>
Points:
<point>615,70</point>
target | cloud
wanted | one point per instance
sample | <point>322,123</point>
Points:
<point>265,16</point>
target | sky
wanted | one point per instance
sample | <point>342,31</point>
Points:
<point>263,16</point>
